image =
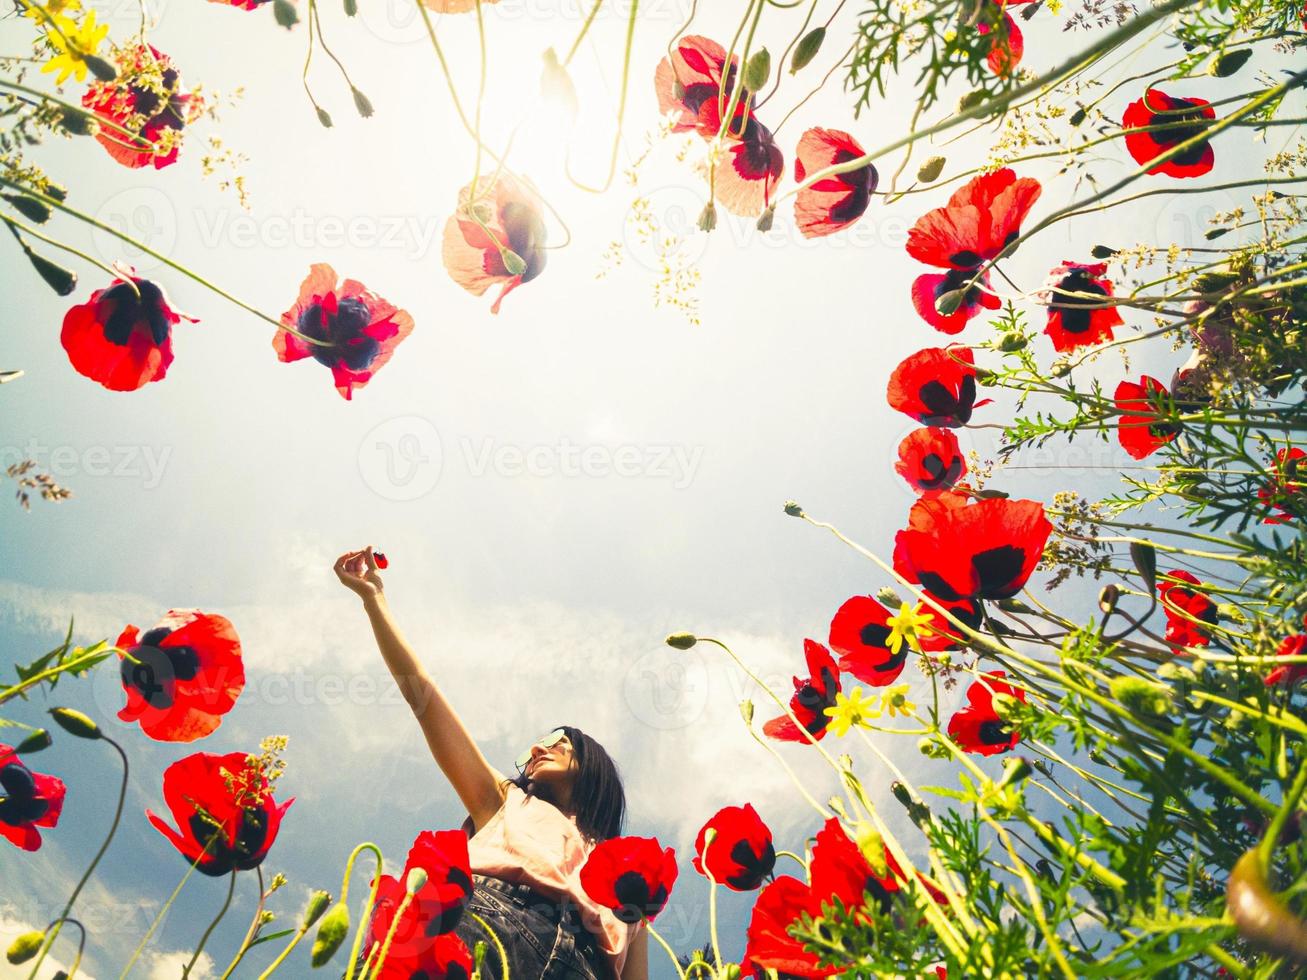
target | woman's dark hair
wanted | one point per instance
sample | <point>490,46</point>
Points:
<point>597,795</point>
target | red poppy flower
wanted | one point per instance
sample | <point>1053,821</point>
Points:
<point>147,100</point>
<point>750,166</point>
<point>1286,494</point>
<point>1286,674</point>
<point>812,696</point>
<point>741,854</point>
<point>445,957</point>
<point>241,4</point>
<point>1007,47</point>
<point>981,550</point>
<point>498,239</point>
<point>1141,430</point>
<point>630,876</point>
<point>768,942</point>
<point>839,870</point>
<point>981,219</point>
<point>1187,610</point>
<point>182,675</point>
<point>360,330</point>
<point>692,77</point>
<point>977,727</point>
<point>1187,119</point>
<point>30,800</point>
<point>836,202</point>
<point>223,807</point>
<point>453,6</point>
<point>931,460</point>
<point>936,386</point>
<point>1079,320</point>
<point>435,909</point>
<point>122,337</point>
<point>859,633</point>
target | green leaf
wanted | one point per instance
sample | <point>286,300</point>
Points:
<point>271,936</point>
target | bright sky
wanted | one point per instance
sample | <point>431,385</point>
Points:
<point>557,487</point>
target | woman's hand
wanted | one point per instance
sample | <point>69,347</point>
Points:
<point>357,571</point>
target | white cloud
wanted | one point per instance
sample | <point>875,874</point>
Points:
<point>169,966</point>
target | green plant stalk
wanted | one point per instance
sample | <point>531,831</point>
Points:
<point>390,935</point>
<point>621,106</point>
<point>86,875</point>
<point>204,939</point>
<point>367,906</point>
<point>136,953</point>
<point>294,941</point>
<point>494,937</point>
<point>45,675</point>
<point>663,943</point>
<point>252,930</point>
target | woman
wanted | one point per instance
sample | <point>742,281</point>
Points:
<point>529,836</point>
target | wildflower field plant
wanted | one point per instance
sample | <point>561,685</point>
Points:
<point>1128,791</point>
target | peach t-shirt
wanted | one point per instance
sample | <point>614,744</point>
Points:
<point>531,842</point>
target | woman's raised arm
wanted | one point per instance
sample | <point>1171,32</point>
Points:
<point>477,783</point>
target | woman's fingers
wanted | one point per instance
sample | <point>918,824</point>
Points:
<point>372,562</point>
<point>348,565</point>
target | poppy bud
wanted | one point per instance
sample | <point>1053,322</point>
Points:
<point>1261,918</point>
<point>1014,606</point>
<point>1214,282</point>
<point>1230,62</point>
<point>1015,770</point>
<point>380,558</point>
<point>708,217</point>
<point>872,846</point>
<point>318,903</point>
<point>514,264</point>
<point>100,68</point>
<point>332,932</point>
<point>757,70</point>
<point>1102,252</point>
<point>351,8</point>
<point>946,304</point>
<point>1005,705</point>
<point>25,947</point>
<point>887,596</point>
<point>1077,117</point>
<point>77,123</point>
<point>284,13</point>
<point>1011,341</point>
<point>324,117</point>
<point>59,975</point>
<point>479,956</point>
<point>29,207</point>
<point>1107,598</point>
<point>901,793</point>
<point>1144,556</point>
<point>971,100</point>
<point>556,84</point>
<point>730,971</point>
<point>76,723</point>
<point>1060,368</point>
<point>6,376</point>
<point>62,281</point>
<point>361,103</point>
<point>765,219</point>
<point>793,509</point>
<point>417,877</point>
<point>1141,697</point>
<point>807,49</point>
<point>681,641</point>
<point>930,170</point>
<point>746,711</point>
<point>1212,234</point>
<point>38,740</point>
<point>57,191</point>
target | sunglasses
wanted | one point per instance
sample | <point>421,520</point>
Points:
<point>547,741</point>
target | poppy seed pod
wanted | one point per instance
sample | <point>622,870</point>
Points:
<point>793,509</point>
<point>946,304</point>
<point>332,932</point>
<point>417,877</point>
<point>24,947</point>
<point>324,117</point>
<point>362,103</point>
<point>807,49</point>
<point>757,70</point>
<point>38,740</point>
<point>318,903</point>
<point>708,217</point>
<point>929,171</point>
<point>681,641</point>
<point>283,11</point>
<point>889,597</point>
<point>766,218</point>
<point>76,723</point>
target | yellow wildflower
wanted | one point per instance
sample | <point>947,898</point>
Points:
<point>82,39</point>
<point>904,626</point>
<point>851,709</point>
<point>896,701</point>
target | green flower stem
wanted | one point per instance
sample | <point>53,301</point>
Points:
<point>1275,716</point>
<point>824,813</point>
<point>663,943</point>
<point>100,121</point>
<point>585,29</point>
<point>481,97</point>
<point>390,935</point>
<point>790,854</point>
<point>712,918</point>
<point>122,236</point>
<point>1032,892</point>
<point>45,675</point>
<point>789,712</point>
<point>86,875</point>
<point>294,941</point>
<point>785,55</point>
<point>985,110</point>
<point>621,107</point>
<point>231,887</point>
<point>494,937</point>
<point>136,953</point>
<point>367,906</point>
<point>16,227</point>
<point>250,933</point>
<point>1288,806</point>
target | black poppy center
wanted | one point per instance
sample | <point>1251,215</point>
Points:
<point>874,635</point>
<point>1077,311</point>
<point>155,670</point>
<point>343,333</point>
<point>999,571</point>
<point>994,733</point>
<point>1183,124</point>
<point>20,804</point>
<point>635,898</point>
<point>755,864</point>
<point>939,473</point>
<point>943,406</point>
<point>224,857</point>
<point>527,236</point>
<point>129,313</point>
